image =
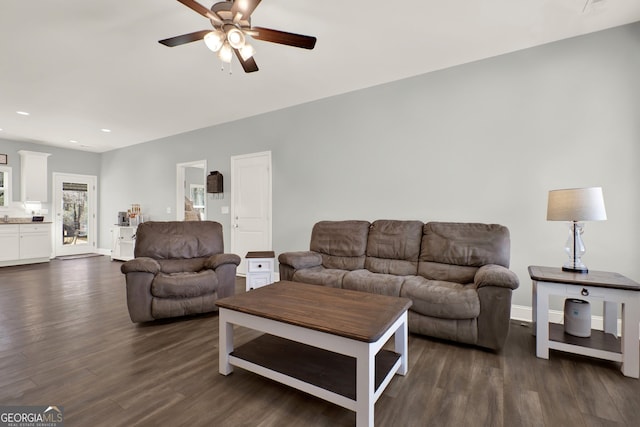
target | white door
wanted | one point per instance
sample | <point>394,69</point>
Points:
<point>74,213</point>
<point>250,205</point>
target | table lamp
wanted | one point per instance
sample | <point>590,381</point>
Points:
<point>575,205</point>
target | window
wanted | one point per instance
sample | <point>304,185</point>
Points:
<point>5,186</point>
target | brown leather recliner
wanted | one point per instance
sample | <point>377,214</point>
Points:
<point>179,268</point>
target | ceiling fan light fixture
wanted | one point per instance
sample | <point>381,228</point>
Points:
<point>247,51</point>
<point>235,37</point>
<point>214,40</point>
<point>225,53</point>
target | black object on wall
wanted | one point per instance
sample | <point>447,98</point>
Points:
<point>214,183</point>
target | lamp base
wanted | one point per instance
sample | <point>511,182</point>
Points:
<point>583,269</point>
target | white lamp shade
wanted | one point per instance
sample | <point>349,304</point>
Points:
<point>247,51</point>
<point>214,40</point>
<point>235,38</point>
<point>225,53</point>
<point>576,204</point>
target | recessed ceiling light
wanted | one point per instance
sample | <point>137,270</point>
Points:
<point>73,141</point>
<point>106,130</point>
<point>22,113</point>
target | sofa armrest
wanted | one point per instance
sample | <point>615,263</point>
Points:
<point>496,275</point>
<point>141,265</point>
<point>298,260</point>
<point>215,261</point>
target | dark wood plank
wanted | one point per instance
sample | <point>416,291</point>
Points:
<point>322,368</point>
<point>261,254</point>
<point>66,339</point>
<point>598,339</point>
<point>357,315</point>
<point>604,279</point>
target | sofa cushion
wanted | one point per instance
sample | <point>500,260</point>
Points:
<point>342,244</point>
<point>393,247</point>
<point>184,285</point>
<point>320,276</point>
<point>168,307</point>
<point>454,251</point>
<point>375,283</point>
<point>460,330</point>
<point>178,239</point>
<point>181,265</point>
<point>437,298</point>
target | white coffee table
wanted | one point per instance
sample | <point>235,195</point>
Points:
<point>314,328</point>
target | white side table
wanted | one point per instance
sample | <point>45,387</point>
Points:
<point>259,269</point>
<point>123,242</point>
<point>610,289</point>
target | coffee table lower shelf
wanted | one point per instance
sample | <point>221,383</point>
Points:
<point>324,369</point>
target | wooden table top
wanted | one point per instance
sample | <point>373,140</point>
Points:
<point>357,315</point>
<point>603,279</point>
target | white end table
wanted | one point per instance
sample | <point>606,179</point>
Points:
<point>259,269</point>
<point>608,288</point>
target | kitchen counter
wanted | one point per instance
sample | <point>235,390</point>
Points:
<point>11,221</point>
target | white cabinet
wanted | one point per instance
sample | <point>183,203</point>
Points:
<point>9,242</point>
<point>33,176</point>
<point>35,241</point>
<point>24,243</point>
<point>123,243</point>
<point>259,269</point>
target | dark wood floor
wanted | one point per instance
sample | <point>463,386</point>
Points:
<point>66,339</point>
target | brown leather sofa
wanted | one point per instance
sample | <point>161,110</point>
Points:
<point>179,268</point>
<point>456,274</point>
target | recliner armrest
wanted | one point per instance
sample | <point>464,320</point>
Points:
<point>141,265</point>
<point>215,261</point>
<point>496,275</point>
<point>303,259</point>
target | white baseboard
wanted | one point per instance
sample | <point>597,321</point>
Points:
<point>525,314</point>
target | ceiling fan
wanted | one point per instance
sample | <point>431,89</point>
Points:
<point>231,21</point>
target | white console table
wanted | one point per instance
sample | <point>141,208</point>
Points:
<point>607,288</point>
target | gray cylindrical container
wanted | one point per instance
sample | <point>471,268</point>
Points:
<point>577,317</point>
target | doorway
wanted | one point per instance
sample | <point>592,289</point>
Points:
<point>191,200</point>
<point>74,212</point>
<point>250,205</point>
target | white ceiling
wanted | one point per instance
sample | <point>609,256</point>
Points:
<point>79,66</point>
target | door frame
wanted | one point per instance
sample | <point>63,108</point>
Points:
<point>56,206</point>
<point>232,224</point>
<point>181,182</point>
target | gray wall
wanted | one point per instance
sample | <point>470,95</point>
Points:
<point>481,142</point>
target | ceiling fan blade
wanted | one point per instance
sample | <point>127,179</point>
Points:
<point>281,37</point>
<point>194,5</point>
<point>245,7</point>
<point>249,66</point>
<point>183,39</point>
